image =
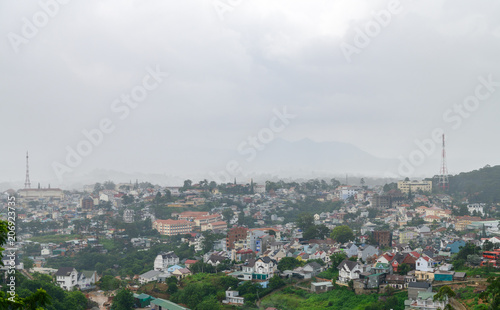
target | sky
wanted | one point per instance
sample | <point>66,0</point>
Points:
<point>201,77</point>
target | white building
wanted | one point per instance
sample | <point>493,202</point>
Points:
<point>67,278</point>
<point>163,260</point>
<point>349,270</point>
<point>232,297</point>
<point>128,216</point>
<point>478,207</point>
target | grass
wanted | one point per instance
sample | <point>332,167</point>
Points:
<point>339,299</point>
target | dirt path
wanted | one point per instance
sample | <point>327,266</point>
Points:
<point>457,305</point>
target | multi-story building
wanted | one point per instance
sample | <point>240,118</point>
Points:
<point>383,238</point>
<point>67,278</point>
<point>173,227</point>
<point>128,216</point>
<point>163,260</point>
<point>415,186</point>
<point>235,234</point>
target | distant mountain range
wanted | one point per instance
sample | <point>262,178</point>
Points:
<point>280,159</point>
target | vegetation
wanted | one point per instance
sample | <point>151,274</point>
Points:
<point>124,300</point>
<point>340,298</point>
<point>478,186</point>
<point>342,234</point>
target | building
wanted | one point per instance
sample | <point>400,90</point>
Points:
<point>67,278</point>
<point>476,207</point>
<point>383,238</point>
<point>162,304</point>
<point>173,227</point>
<point>415,186</point>
<point>349,270</point>
<point>235,234</point>
<point>321,287</point>
<point>87,203</point>
<point>415,287</point>
<point>128,216</point>
<point>149,276</point>
<point>163,260</point>
<point>425,301</point>
<point>37,194</point>
<point>233,298</point>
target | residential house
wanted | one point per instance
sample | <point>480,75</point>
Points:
<point>149,276</point>
<point>67,278</point>
<point>163,260</point>
<point>349,270</point>
<point>264,268</point>
<point>233,298</point>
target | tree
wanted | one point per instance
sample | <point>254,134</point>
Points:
<point>228,215</point>
<point>97,188</point>
<point>209,303</point>
<point>28,263</point>
<point>492,293</point>
<point>474,259</point>
<point>445,293</point>
<point>288,263</point>
<point>276,282</point>
<point>109,185</point>
<point>124,300</point>
<point>337,258</point>
<point>342,234</point>
<point>403,269</point>
<point>488,246</point>
<point>305,221</point>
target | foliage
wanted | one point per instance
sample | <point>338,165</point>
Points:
<point>124,300</point>
<point>289,263</point>
<point>109,283</point>
<point>492,293</point>
<point>478,185</point>
<point>342,234</point>
<point>403,269</point>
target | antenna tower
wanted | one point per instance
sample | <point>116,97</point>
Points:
<point>27,183</point>
<point>443,173</point>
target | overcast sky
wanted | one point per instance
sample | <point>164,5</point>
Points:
<point>230,63</point>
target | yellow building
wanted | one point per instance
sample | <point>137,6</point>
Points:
<point>415,186</point>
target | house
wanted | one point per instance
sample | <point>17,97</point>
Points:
<point>424,263</point>
<point>396,281</point>
<point>415,287</point>
<point>443,276</point>
<point>86,279</point>
<point>67,278</point>
<point>321,287</point>
<point>366,251</point>
<point>232,297</point>
<point>425,301</point>
<point>181,273</point>
<point>349,270</point>
<point>163,260</point>
<point>149,276</point>
<point>215,259</point>
<point>264,268</point>
<point>351,250</point>
<point>455,246</point>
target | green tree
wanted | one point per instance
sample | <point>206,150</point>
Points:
<point>492,293</point>
<point>445,293</point>
<point>276,282</point>
<point>124,300</point>
<point>337,258</point>
<point>209,303</point>
<point>342,234</point>
<point>403,269</point>
<point>28,263</point>
<point>288,263</point>
<point>305,221</point>
<point>228,215</point>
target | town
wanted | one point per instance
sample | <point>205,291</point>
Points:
<point>277,245</point>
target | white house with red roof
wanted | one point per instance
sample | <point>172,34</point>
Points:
<point>424,263</point>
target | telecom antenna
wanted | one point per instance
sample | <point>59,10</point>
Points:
<point>27,183</point>
<point>443,174</point>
